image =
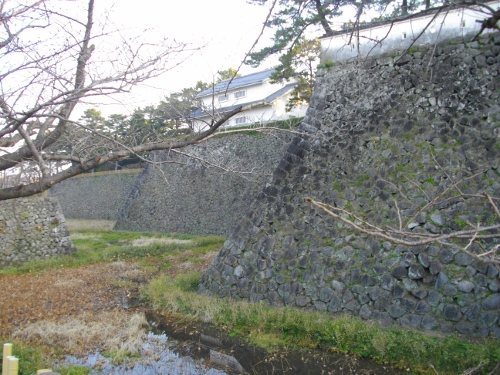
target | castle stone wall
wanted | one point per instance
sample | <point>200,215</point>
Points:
<point>95,196</point>
<point>410,142</point>
<point>203,195</point>
<point>32,228</point>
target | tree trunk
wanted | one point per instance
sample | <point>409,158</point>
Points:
<point>322,17</point>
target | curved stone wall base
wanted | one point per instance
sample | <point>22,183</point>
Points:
<point>412,141</point>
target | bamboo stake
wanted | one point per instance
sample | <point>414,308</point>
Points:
<point>7,352</point>
<point>13,365</point>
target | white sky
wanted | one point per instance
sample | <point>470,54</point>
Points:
<point>227,28</point>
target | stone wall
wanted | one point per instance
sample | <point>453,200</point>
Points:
<point>391,141</point>
<point>203,196</point>
<point>31,229</point>
<point>95,196</point>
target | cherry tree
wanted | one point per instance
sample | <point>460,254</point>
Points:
<point>52,58</point>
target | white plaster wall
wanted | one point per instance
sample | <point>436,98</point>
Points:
<point>261,114</point>
<point>400,35</point>
<point>254,92</point>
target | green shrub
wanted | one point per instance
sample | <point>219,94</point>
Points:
<point>188,282</point>
<point>30,359</point>
<point>326,65</point>
<point>73,370</point>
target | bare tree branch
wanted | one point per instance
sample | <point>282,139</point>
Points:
<point>407,238</point>
<point>44,79</point>
<point>47,182</point>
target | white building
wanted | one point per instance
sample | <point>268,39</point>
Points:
<point>268,101</point>
<point>395,36</point>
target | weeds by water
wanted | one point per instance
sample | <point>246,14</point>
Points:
<point>274,327</point>
<point>116,333</point>
<point>268,327</point>
<point>134,254</point>
<point>33,358</point>
<point>73,370</point>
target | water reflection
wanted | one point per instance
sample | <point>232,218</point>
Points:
<point>194,349</point>
<point>158,356</point>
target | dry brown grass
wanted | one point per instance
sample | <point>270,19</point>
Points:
<point>116,332</point>
<point>60,293</point>
<point>143,241</point>
<point>74,224</point>
<point>125,270</point>
<point>78,236</point>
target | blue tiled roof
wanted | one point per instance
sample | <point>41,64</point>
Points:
<point>280,92</point>
<point>266,101</point>
<point>247,80</point>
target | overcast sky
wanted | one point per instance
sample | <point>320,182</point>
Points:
<point>226,28</point>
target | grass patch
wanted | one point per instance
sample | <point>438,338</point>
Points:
<point>326,65</point>
<point>188,282</point>
<point>360,181</point>
<point>30,359</point>
<point>73,370</point>
<point>460,223</point>
<point>430,180</point>
<point>271,327</point>
<point>337,186</point>
<point>98,245</point>
<point>412,50</point>
<point>267,327</point>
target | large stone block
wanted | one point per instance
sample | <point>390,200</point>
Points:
<point>369,154</point>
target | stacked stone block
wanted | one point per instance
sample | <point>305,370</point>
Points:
<point>32,228</point>
<point>408,141</point>
<point>95,196</point>
<point>203,195</point>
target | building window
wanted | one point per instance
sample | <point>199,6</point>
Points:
<point>404,35</point>
<point>240,120</point>
<point>223,98</point>
<point>240,94</point>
